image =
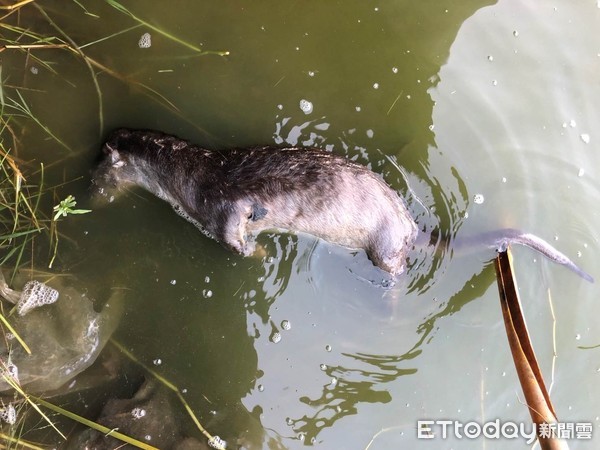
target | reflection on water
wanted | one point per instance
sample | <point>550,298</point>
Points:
<point>444,100</point>
<point>348,387</point>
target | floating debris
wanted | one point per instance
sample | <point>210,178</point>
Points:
<point>9,414</point>
<point>138,413</point>
<point>217,442</point>
<point>145,41</point>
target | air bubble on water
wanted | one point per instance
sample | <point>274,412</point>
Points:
<point>173,282</point>
<point>328,347</point>
<point>138,413</point>
<point>157,362</point>
<point>370,133</point>
<point>585,138</point>
<point>34,70</point>
<point>494,82</point>
<point>515,33</point>
<point>478,199</point>
<point>289,421</point>
<point>375,85</point>
<point>579,254</point>
<point>431,127</point>
<point>323,367</point>
<point>578,337</point>
<point>275,337</point>
<point>35,294</point>
<point>285,324</point>
<point>311,73</point>
<point>207,279</point>
<point>306,106</point>
<point>148,437</point>
<point>490,58</point>
<point>280,107</point>
<point>145,41</point>
<point>207,293</point>
<point>572,123</point>
<point>504,179</point>
<point>581,172</point>
<point>333,382</point>
<point>394,69</point>
<point>358,108</point>
<point>261,388</point>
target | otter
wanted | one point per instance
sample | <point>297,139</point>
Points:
<point>233,195</point>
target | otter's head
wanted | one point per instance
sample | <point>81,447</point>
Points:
<point>116,169</point>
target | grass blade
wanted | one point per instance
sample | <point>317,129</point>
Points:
<point>15,334</point>
<point>124,10</point>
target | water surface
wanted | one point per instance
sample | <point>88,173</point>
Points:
<point>452,104</point>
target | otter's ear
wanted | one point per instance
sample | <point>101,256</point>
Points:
<point>114,156</point>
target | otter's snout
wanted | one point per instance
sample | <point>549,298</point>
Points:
<point>105,180</point>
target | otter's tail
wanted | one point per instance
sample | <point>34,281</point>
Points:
<point>500,239</point>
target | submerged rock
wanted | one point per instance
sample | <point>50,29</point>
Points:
<point>149,416</point>
<point>65,337</point>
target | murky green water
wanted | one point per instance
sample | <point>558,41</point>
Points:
<point>446,100</point>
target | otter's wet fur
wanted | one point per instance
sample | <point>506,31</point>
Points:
<point>233,195</point>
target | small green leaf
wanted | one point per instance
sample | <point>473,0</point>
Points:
<point>66,206</point>
<point>80,211</point>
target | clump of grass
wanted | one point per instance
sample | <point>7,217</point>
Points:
<point>19,203</point>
